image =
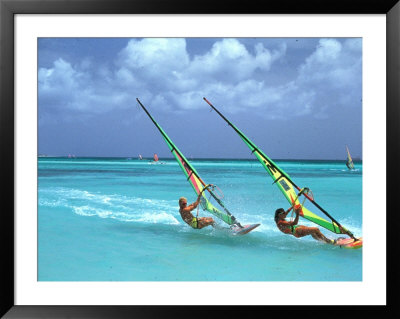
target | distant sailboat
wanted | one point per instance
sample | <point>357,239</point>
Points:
<point>349,161</point>
<point>155,160</point>
<point>140,157</point>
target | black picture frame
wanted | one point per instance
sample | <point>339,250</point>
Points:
<point>8,10</point>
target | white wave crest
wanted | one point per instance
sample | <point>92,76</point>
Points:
<point>119,207</point>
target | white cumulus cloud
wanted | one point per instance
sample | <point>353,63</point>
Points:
<point>163,73</point>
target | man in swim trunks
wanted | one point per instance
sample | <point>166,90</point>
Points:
<point>291,228</point>
<point>194,222</point>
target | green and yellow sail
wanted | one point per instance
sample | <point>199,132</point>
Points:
<point>286,184</point>
<point>194,179</point>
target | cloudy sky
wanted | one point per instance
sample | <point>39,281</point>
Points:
<point>296,98</point>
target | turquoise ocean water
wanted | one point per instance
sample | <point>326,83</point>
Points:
<point>117,219</point>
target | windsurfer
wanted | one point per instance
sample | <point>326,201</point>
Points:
<point>292,227</point>
<point>187,216</point>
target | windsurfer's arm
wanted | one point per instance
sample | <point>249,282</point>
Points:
<point>196,203</point>
<point>198,197</point>
<point>200,194</point>
<point>288,211</point>
<point>297,210</point>
<point>193,205</point>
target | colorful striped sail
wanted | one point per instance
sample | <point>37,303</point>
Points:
<point>194,179</point>
<point>286,184</point>
<point>349,161</point>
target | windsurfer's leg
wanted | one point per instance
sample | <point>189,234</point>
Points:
<point>327,240</point>
<point>302,231</point>
<point>204,222</point>
<point>319,236</point>
<point>322,237</point>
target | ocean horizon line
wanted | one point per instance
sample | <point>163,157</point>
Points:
<point>150,158</point>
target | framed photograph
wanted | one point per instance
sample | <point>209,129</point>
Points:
<point>106,106</point>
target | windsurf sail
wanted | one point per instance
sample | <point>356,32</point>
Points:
<point>349,160</point>
<point>195,180</point>
<point>287,185</point>
<point>140,157</point>
<point>155,158</point>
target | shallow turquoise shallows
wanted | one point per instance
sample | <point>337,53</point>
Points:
<point>117,220</point>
